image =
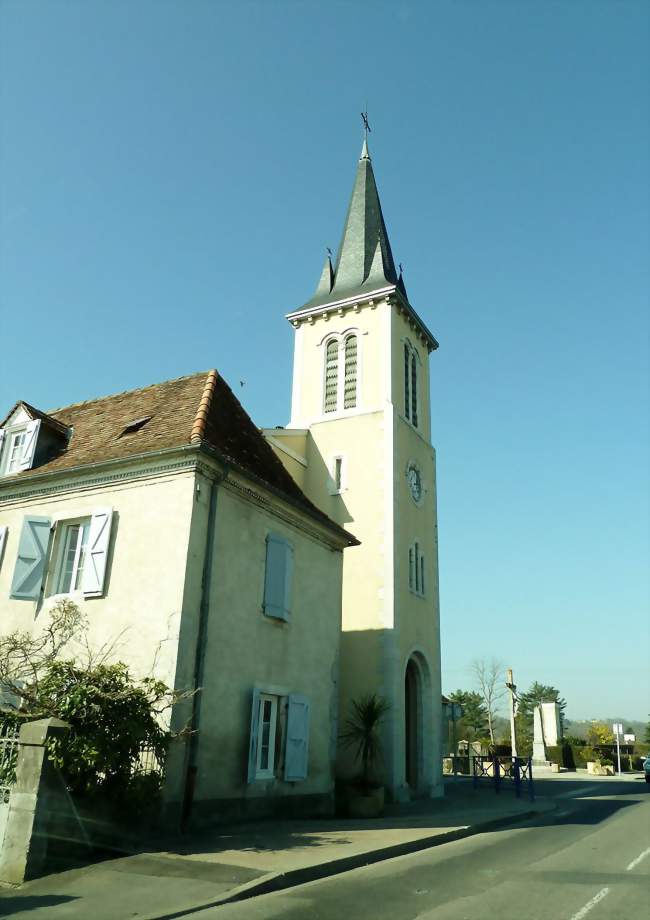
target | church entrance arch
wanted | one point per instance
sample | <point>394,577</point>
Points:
<point>416,684</point>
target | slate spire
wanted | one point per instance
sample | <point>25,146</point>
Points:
<point>365,261</point>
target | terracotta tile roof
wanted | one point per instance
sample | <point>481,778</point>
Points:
<point>199,409</point>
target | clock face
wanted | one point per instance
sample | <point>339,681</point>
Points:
<point>415,483</point>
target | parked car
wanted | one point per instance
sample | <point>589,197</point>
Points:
<point>646,768</point>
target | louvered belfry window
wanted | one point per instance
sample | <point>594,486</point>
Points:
<point>407,395</point>
<point>414,391</point>
<point>350,385</point>
<point>331,376</point>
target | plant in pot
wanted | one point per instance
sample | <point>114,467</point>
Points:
<point>361,733</point>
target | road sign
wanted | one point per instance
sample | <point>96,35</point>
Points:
<point>617,728</point>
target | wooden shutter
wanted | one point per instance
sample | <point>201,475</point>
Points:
<point>29,445</point>
<point>2,437</point>
<point>252,744</point>
<point>94,571</point>
<point>278,580</point>
<point>30,562</point>
<point>296,757</point>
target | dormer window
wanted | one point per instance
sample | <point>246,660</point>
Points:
<point>17,446</point>
<point>29,438</point>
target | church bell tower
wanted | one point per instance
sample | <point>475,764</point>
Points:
<point>359,444</point>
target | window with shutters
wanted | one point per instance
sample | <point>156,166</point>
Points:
<point>71,557</point>
<point>331,376</point>
<point>266,734</point>
<point>62,556</point>
<point>416,570</point>
<point>350,382</point>
<point>279,736</point>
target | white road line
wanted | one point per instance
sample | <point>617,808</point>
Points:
<point>635,862</point>
<point>596,898</point>
<point>574,792</point>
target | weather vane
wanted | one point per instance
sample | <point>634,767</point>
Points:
<point>401,269</point>
<point>366,127</point>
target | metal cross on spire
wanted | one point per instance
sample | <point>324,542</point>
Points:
<point>366,127</point>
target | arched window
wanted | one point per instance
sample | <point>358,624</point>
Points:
<point>411,384</point>
<point>414,390</point>
<point>331,376</point>
<point>350,382</point>
<point>407,382</point>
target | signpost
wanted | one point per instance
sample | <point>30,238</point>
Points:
<point>618,731</point>
<point>510,684</point>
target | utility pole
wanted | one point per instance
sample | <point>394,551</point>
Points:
<point>510,684</point>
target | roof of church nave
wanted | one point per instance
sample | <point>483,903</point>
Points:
<point>198,409</point>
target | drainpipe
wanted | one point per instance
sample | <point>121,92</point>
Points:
<point>199,657</point>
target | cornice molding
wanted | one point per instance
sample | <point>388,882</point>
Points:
<point>29,489</point>
<point>389,295</point>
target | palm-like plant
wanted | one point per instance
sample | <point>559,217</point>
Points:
<point>361,732</point>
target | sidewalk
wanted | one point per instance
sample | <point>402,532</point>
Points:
<point>240,861</point>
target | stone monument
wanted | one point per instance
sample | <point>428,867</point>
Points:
<point>547,730</point>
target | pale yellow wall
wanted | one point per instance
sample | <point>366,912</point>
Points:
<point>140,611</point>
<point>307,402</point>
<point>383,621</point>
<point>246,649</point>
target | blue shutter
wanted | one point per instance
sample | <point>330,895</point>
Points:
<point>30,563</point>
<point>278,578</point>
<point>296,756</point>
<point>97,552</point>
<point>252,745</point>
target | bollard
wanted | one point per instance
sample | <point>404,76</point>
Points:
<point>531,788</point>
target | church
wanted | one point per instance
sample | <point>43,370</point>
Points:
<point>282,573</point>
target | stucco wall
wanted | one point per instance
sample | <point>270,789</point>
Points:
<point>384,622</point>
<point>139,613</point>
<point>246,649</point>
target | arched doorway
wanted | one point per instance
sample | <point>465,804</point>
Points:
<point>412,724</point>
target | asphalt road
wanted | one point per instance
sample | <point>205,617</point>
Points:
<point>591,858</point>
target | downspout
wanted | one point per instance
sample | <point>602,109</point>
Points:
<point>199,657</point>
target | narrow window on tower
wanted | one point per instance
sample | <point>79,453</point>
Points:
<point>416,570</point>
<point>414,390</point>
<point>331,376</point>
<point>350,384</point>
<point>407,397</point>
<point>338,473</point>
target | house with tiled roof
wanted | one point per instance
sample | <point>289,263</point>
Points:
<point>165,514</point>
<point>281,570</point>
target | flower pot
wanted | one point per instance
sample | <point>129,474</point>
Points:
<point>366,803</point>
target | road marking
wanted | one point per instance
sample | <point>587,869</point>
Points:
<point>635,862</point>
<point>572,792</point>
<point>596,898</point>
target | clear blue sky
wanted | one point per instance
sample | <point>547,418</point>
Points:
<point>171,173</point>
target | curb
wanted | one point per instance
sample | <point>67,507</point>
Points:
<point>280,881</point>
